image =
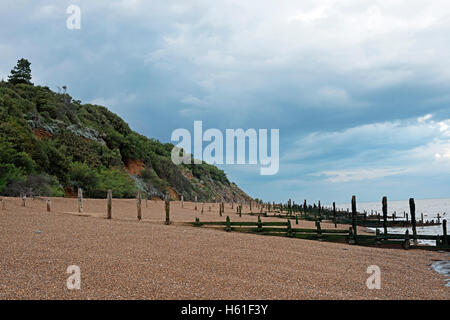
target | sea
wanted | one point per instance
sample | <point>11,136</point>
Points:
<point>430,209</point>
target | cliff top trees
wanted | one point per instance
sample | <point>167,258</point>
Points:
<point>21,72</point>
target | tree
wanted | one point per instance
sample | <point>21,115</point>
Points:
<point>21,72</point>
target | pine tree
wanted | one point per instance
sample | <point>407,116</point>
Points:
<point>21,72</point>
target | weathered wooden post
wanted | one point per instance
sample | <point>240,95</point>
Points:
<point>377,237</point>
<point>384,204</point>
<point>24,199</point>
<point>167,207</point>
<point>80,200</point>
<point>444,231</point>
<point>289,232</point>
<point>412,208</point>
<point>259,224</point>
<point>251,206</point>
<point>319,229</point>
<point>320,211</point>
<point>351,238</point>
<point>406,243</point>
<point>354,217</point>
<point>109,204</point>
<point>49,205</point>
<point>220,209</point>
<point>182,201</point>
<point>138,204</point>
<point>421,217</point>
<point>334,212</point>
<point>240,210</point>
<point>228,226</point>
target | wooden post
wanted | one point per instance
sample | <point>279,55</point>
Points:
<point>220,209</point>
<point>24,201</point>
<point>384,203</point>
<point>251,206</point>
<point>240,210</point>
<point>138,203</point>
<point>182,201</point>
<point>289,229</point>
<point>444,231</point>
<point>319,230</point>
<point>406,243</point>
<point>228,227</point>
<point>109,204</point>
<point>167,206</point>
<point>223,207</point>
<point>351,238</point>
<point>80,200</point>
<point>195,203</point>
<point>320,211</point>
<point>377,237</point>
<point>354,216</point>
<point>203,206</point>
<point>412,208</point>
<point>421,217</point>
<point>49,205</point>
<point>334,212</point>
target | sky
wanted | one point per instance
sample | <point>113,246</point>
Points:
<point>359,90</point>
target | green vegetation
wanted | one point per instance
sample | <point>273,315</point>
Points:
<point>21,72</point>
<point>51,144</point>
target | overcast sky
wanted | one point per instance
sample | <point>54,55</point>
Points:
<point>360,90</point>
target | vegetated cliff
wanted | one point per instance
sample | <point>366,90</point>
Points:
<point>51,144</point>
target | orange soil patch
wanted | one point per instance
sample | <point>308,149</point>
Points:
<point>42,134</point>
<point>134,166</point>
<point>173,194</point>
<point>70,193</point>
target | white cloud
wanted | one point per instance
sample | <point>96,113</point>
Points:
<point>375,150</point>
<point>337,176</point>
